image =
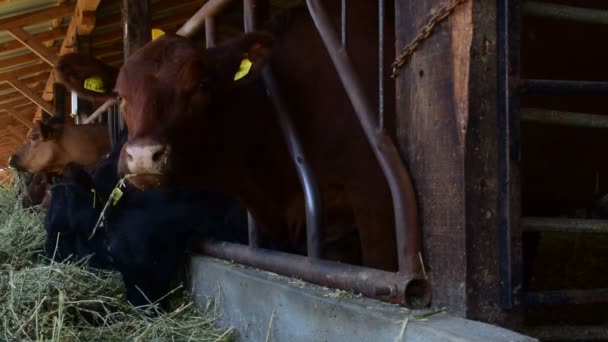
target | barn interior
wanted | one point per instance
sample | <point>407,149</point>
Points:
<point>563,171</point>
<point>564,168</point>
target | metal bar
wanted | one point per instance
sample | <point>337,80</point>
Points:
<point>195,23</point>
<point>556,117</point>
<point>564,225</point>
<point>395,287</point>
<point>565,297</point>
<point>566,13</point>
<point>308,180</point>
<point>559,87</point>
<point>210,32</point>
<point>343,18</point>
<point>380,64</point>
<point>393,167</point>
<point>252,229</point>
<point>507,104</point>
<point>249,21</point>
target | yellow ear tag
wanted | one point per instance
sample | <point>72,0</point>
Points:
<point>116,195</point>
<point>94,83</point>
<point>244,69</point>
<point>94,196</point>
<point>157,33</point>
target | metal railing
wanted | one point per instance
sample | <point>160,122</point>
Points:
<point>510,115</point>
<point>407,286</point>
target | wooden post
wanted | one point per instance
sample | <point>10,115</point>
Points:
<point>137,29</point>
<point>59,99</point>
<point>432,114</point>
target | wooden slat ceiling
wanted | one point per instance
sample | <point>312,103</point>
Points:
<point>33,33</point>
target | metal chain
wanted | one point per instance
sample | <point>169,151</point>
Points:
<point>443,12</point>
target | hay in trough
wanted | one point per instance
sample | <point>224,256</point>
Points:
<point>45,301</point>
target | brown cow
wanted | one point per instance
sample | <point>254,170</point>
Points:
<point>192,122</point>
<point>37,191</point>
<point>53,144</point>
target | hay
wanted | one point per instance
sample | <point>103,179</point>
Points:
<point>45,301</point>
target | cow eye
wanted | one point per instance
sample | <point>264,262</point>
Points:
<point>35,137</point>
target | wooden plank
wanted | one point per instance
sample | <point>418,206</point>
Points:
<point>432,113</point>
<point>47,54</point>
<point>17,133</point>
<point>31,18</point>
<point>45,37</point>
<point>19,117</point>
<point>17,60</point>
<point>85,16</point>
<point>38,100</point>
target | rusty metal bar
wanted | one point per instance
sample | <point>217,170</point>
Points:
<point>394,287</point>
<point>404,199</point>
<point>210,32</point>
<point>565,297</point>
<point>308,180</point>
<point>195,23</point>
<point>380,64</point>
<point>564,225</point>
<point>566,13</point>
<point>556,117</point>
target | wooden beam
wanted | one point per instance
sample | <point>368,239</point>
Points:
<point>85,16</point>
<point>45,37</point>
<point>17,133</point>
<point>47,54</point>
<point>19,117</point>
<point>31,18</point>
<point>27,92</point>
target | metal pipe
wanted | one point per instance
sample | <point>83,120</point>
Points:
<point>565,13</point>
<point>503,104</point>
<point>308,180</point>
<point>380,64</point>
<point>195,23</point>
<point>210,32</point>
<point>563,87</point>
<point>343,18</point>
<point>249,22</point>
<point>556,117</point>
<point>564,225</point>
<point>399,181</point>
<point>396,287</point>
<point>566,297</point>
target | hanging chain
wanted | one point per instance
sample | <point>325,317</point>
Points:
<point>443,12</point>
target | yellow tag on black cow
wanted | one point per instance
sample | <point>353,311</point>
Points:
<point>94,83</point>
<point>244,69</point>
<point>157,33</point>
<point>116,195</point>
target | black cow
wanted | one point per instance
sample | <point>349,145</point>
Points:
<point>144,235</point>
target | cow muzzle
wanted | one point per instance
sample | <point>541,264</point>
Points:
<point>13,162</point>
<point>146,157</point>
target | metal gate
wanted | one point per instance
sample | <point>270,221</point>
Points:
<point>512,225</point>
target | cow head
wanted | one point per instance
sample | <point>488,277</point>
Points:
<point>40,148</point>
<point>164,89</point>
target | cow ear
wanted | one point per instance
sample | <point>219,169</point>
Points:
<point>86,75</point>
<point>49,130</point>
<point>240,61</point>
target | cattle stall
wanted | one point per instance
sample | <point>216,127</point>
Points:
<point>486,120</point>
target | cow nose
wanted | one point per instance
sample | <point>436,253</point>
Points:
<point>149,158</point>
